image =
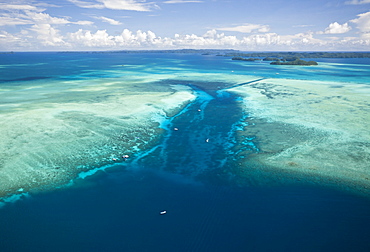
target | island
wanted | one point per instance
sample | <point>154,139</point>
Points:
<point>291,58</point>
<point>304,55</point>
<point>244,59</point>
<point>297,62</point>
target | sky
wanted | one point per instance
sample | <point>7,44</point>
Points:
<point>247,25</point>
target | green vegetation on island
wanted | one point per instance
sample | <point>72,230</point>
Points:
<point>307,55</point>
<point>293,58</point>
<point>244,59</point>
<point>270,59</point>
<point>283,61</point>
<point>297,62</point>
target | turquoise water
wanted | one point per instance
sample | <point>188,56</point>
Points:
<point>206,160</point>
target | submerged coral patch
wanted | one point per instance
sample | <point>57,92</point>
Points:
<point>315,130</point>
<point>74,126</point>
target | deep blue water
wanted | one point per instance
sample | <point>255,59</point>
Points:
<point>118,209</point>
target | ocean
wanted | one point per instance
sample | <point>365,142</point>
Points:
<point>242,156</point>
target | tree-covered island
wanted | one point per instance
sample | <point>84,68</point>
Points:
<point>292,58</point>
<point>295,61</point>
<point>301,55</point>
<point>244,59</point>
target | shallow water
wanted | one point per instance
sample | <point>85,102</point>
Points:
<point>240,157</point>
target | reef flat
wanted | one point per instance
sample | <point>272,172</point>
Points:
<point>315,128</point>
<point>53,130</point>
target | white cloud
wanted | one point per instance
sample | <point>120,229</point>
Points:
<point>83,22</point>
<point>128,5</point>
<point>88,39</point>
<point>45,18</point>
<point>210,34</point>
<point>6,35</point>
<point>182,1</point>
<point>336,28</point>
<point>38,28</point>
<point>9,20</point>
<point>357,2</point>
<point>48,35</point>
<point>27,15</point>
<point>109,20</point>
<point>300,38</point>
<point>127,39</point>
<point>47,5</point>
<point>10,42</point>
<point>363,22</point>
<point>211,39</point>
<point>87,5</point>
<point>134,5</point>
<point>247,28</point>
<point>18,7</point>
<point>302,26</point>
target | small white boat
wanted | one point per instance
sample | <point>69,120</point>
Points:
<point>163,212</point>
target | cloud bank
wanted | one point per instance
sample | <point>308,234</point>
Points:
<point>41,31</point>
<point>51,39</point>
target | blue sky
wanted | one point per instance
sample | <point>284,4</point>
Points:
<point>261,25</point>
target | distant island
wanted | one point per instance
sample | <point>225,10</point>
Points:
<point>292,58</point>
<point>244,59</point>
<point>306,55</point>
<point>295,61</point>
<point>266,56</point>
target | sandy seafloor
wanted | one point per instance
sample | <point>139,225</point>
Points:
<point>196,120</point>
